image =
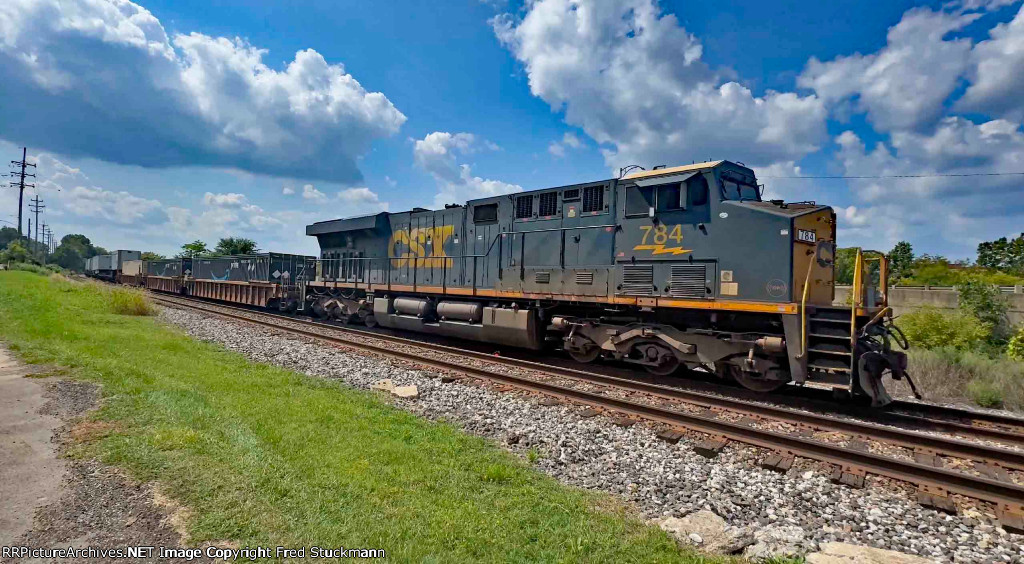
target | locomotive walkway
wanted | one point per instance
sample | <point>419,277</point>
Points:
<point>991,484</point>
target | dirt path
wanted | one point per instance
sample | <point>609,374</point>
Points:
<point>30,469</point>
<point>52,501</point>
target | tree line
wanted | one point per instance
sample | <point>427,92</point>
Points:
<point>75,249</point>
<point>999,262</point>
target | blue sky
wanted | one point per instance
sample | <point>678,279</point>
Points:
<point>159,122</point>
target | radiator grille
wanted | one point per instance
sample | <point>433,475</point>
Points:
<point>524,207</point>
<point>542,277</point>
<point>548,204</point>
<point>593,198</point>
<point>585,277</point>
<point>638,279</point>
<point>687,281</point>
<point>571,195</point>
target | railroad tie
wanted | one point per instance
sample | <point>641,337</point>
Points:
<point>1011,518</point>
<point>936,498</point>
<point>848,476</point>
<point>779,462</point>
<point>671,436</point>
<point>710,448</point>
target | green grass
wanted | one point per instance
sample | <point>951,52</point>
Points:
<point>265,456</point>
<point>950,375</point>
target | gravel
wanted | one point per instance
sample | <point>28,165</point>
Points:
<point>797,510</point>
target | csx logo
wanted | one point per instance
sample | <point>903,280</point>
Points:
<point>422,247</point>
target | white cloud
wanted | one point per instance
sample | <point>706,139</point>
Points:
<point>119,207</point>
<point>997,76</point>
<point>436,154</point>
<point>952,212</point>
<point>569,141</point>
<point>632,77</point>
<point>229,200</point>
<point>311,193</point>
<point>142,97</point>
<point>905,84</point>
<point>288,190</point>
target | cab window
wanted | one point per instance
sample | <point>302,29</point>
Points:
<point>639,200</point>
<point>698,190</point>
<point>668,197</point>
<point>736,191</point>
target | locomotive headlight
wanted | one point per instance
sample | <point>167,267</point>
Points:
<point>806,235</point>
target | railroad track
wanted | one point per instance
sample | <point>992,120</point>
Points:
<point>851,464</point>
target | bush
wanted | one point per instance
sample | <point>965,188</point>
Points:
<point>29,267</point>
<point>951,375</point>
<point>984,393</point>
<point>126,301</point>
<point>983,300</point>
<point>931,328</point>
<point>1015,349</point>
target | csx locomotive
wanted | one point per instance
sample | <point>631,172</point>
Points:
<point>661,269</point>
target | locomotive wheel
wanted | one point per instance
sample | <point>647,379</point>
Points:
<point>664,369</point>
<point>590,354</point>
<point>370,321</point>
<point>752,382</point>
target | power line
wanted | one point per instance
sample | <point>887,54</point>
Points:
<point>949,175</point>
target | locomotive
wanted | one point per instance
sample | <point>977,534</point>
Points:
<point>672,267</point>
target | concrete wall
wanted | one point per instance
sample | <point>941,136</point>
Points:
<point>908,298</point>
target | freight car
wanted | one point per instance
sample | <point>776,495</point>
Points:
<point>672,267</point>
<point>108,266</point>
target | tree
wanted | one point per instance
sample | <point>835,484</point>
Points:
<point>901,261</point>
<point>236,246</point>
<point>1003,255</point>
<point>194,249</point>
<point>67,256</point>
<point>846,259</point>
<point>8,234</point>
<point>14,252</point>
<point>149,255</point>
<point>82,245</point>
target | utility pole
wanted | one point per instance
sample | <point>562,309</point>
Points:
<point>35,205</point>
<point>20,184</point>
<point>46,246</point>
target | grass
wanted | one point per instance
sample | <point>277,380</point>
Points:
<point>262,455</point>
<point>948,374</point>
<point>129,301</point>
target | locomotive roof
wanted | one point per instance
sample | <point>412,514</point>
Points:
<point>377,221</point>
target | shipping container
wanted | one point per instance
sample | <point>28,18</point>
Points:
<point>169,268</point>
<point>117,258</point>
<point>271,268</point>
<point>131,267</point>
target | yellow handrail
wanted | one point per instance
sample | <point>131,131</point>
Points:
<point>803,311</point>
<point>858,280</point>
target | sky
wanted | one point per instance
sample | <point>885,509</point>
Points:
<point>161,122</point>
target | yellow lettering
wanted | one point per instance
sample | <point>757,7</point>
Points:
<point>677,234</point>
<point>647,231</point>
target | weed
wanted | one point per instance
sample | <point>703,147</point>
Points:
<point>128,301</point>
<point>533,455</point>
<point>932,328</point>
<point>984,393</point>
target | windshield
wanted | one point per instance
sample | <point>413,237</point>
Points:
<point>736,191</point>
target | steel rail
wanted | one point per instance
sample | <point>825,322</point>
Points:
<point>909,439</point>
<point>1003,494</point>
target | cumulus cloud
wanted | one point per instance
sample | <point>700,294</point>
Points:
<point>229,200</point>
<point>288,190</point>
<point>997,73</point>
<point>905,84</point>
<point>632,77</point>
<point>102,78</point>
<point>311,193</point>
<point>959,211</point>
<point>569,141</point>
<point>436,154</point>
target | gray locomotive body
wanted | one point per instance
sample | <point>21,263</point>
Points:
<point>663,268</point>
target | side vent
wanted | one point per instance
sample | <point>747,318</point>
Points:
<point>593,198</point>
<point>638,279</point>
<point>524,207</point>
<point>687,281</point>
<point>548,204</point>
<point>542,277</point>
<point>585,277</point>
<point>571,195</point>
